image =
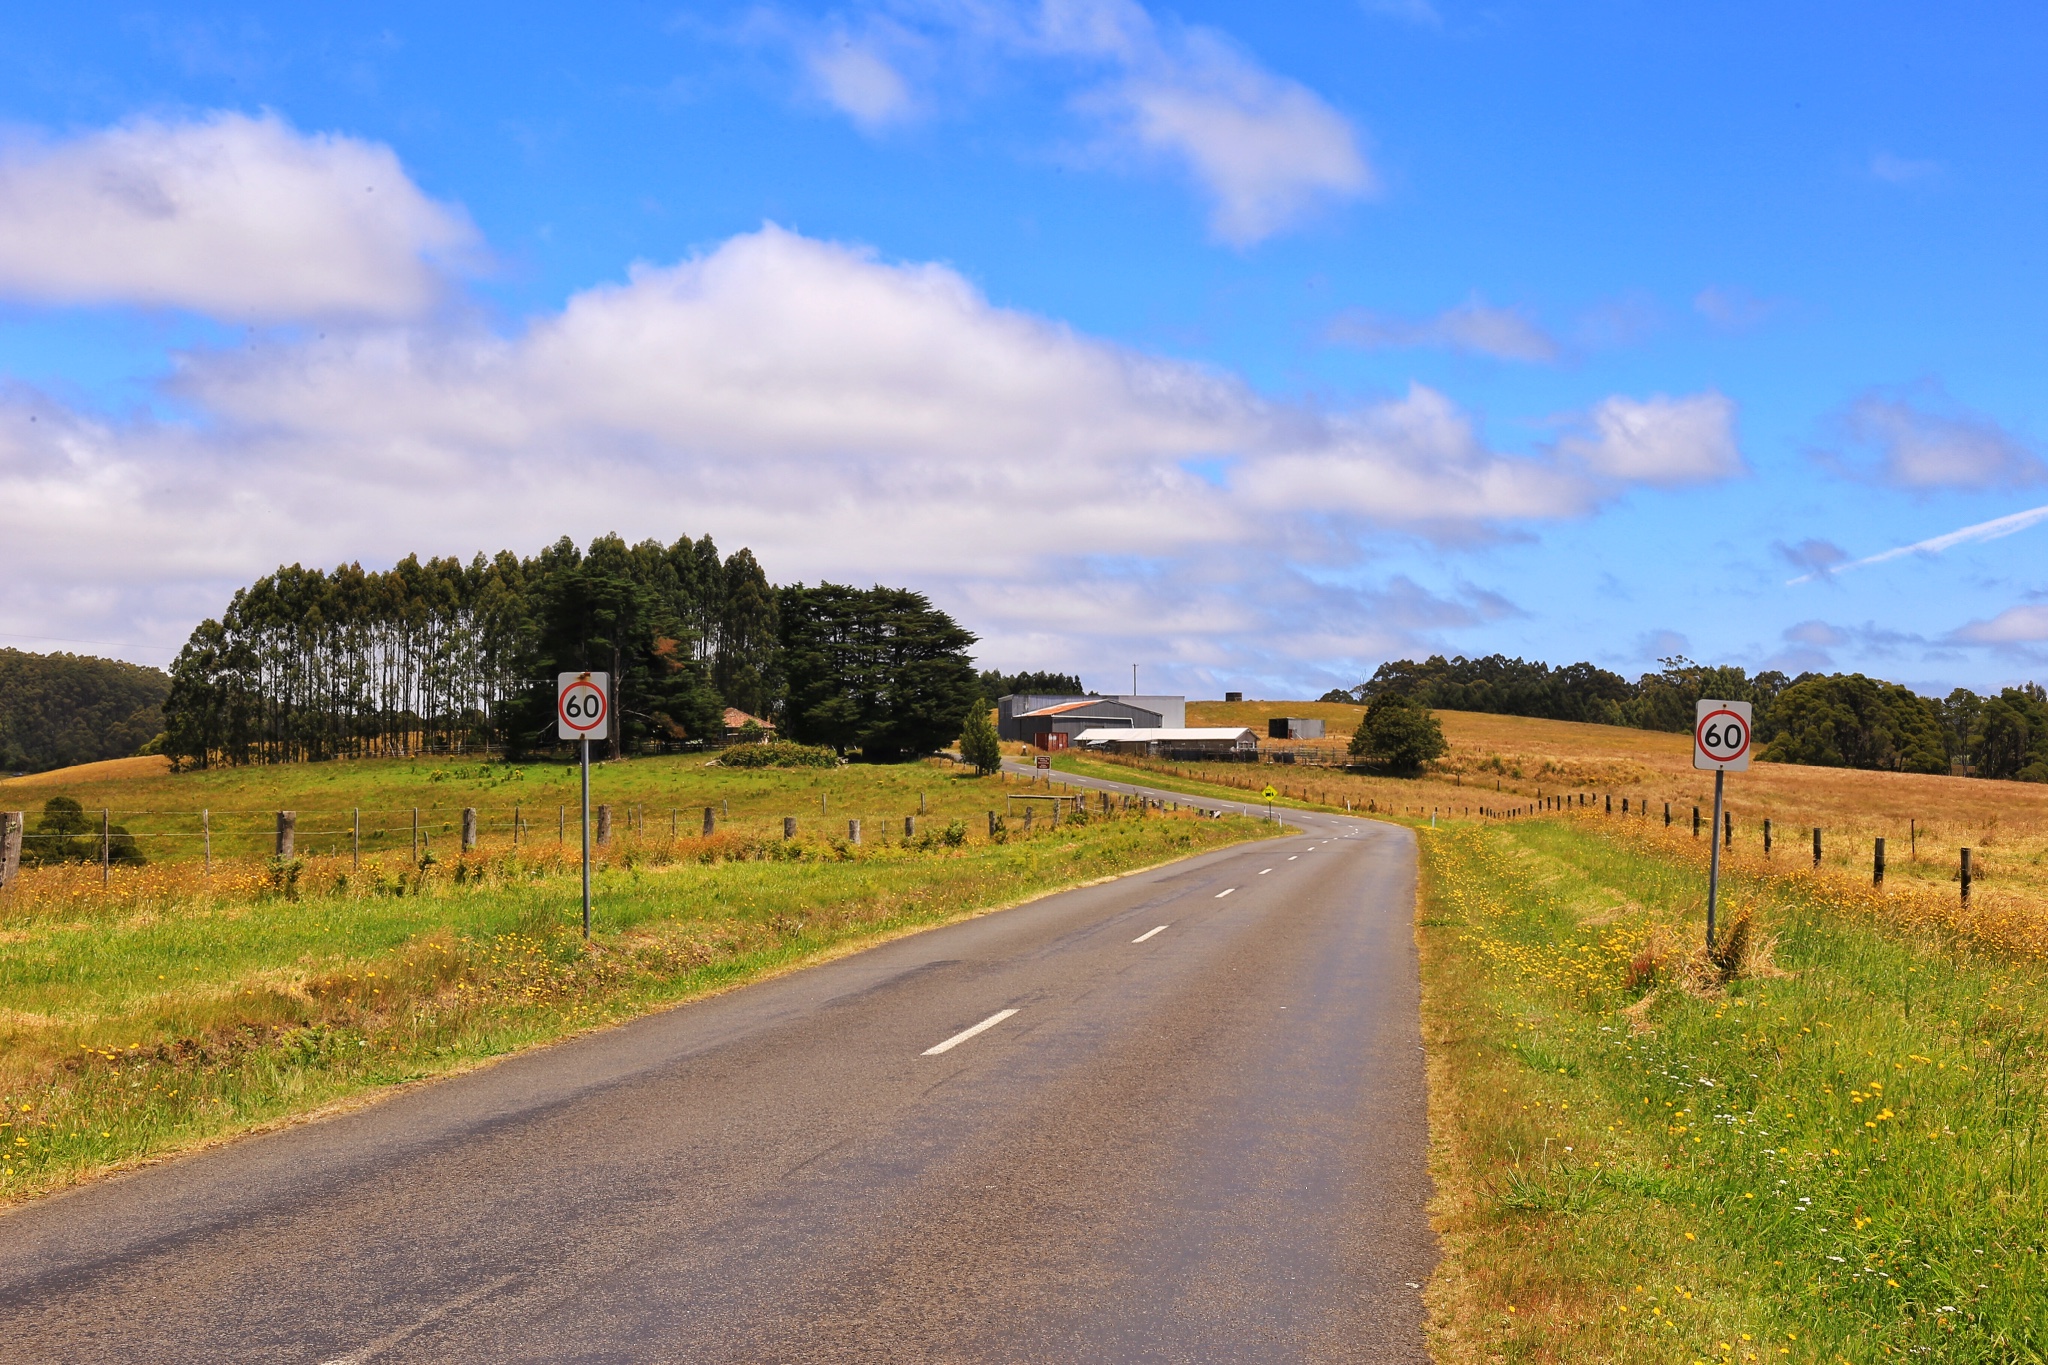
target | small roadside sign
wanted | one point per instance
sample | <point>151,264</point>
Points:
<point>1269,793</point>
<point>583,705</point>
<point>1042,762</point>
<point>1721,734</point>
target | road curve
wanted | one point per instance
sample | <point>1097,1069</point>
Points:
<point>1176,1117</point>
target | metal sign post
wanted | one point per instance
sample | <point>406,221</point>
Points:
<point>1721,733</point>
<point>583,712</point>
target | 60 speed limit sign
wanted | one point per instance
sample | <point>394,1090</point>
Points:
<point>583,708</point>
<point>1720,736</point>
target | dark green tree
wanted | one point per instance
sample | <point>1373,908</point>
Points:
<point>880,670</point>
<point>61,709</point>
<point>1398,733</point>
<point>748,646</point>
<point>979,743</point>
<point>1850,721</point>
<point>2010,735</point>
<point>64,833</point>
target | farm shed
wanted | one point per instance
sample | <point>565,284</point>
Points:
<point>1218,741</point>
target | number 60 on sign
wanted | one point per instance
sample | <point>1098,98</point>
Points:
<point>1721,734</point>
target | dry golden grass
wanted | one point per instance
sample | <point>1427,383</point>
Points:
<point>106,770</point>
<point>1512,762</point>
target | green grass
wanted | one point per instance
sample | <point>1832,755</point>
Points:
<point>172,1008</point>
<point>1833,1160</point>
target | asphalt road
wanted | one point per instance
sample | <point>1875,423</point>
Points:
<point>1190,1128</point>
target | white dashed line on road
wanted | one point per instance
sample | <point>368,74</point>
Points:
<point>1264,870</point>
<point>1148,933</point>
<point>1224,892</point>
<point>964,1034</point>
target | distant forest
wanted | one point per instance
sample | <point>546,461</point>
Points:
<point>1843,720</point>
<point>441,655</point>
<point>61,709</point>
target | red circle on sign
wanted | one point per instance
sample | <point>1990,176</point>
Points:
<point>562,706</point>
<point>1700,729</point>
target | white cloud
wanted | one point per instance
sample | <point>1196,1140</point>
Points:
<point>2026,625</point>
<point>1923,439</point>
<point>1661,440</point>
<point>1732,309</point>
<point>857,77</point>
<point>235,217</point>
<point>843,415</point>
<point>1473,327</point>
<point>1268,151</point>
<point>1998,528</point>
<point>1901,170</point>
<point>1418,12</point>
<point>1818,634</point>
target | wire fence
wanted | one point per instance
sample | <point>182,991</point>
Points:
<point>116,837</point>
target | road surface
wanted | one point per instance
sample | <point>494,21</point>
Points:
<point>1176,1117</point>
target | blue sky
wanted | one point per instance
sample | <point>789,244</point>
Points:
<point>1257,344</point>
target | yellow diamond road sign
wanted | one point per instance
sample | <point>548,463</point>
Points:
<point>1270,793</point>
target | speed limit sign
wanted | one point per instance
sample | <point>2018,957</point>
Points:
<point>583,708</point>
<point>1721,733</point>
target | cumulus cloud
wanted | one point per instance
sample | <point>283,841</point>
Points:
<point>1473,327</point>
<point>1922,438</point>
<point>1660,440</point>
<point>844,415</point>
<point>234,217</point>
<point>2023,625</point>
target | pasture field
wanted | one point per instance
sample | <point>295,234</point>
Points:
<point>1824,1147</point>
<point>179,1003</point>
<point>1501,763</point>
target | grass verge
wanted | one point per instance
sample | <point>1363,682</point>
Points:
<point>1832,1157</point>
<point>140,1022</point>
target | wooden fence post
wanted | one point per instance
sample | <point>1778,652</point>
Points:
<point>789,827</point>
<point>604,824</point>
<point>1816,846</point>
<point>1966,874</point>
<point>1695,822</point>
<point>469,829</point>
<point>1728,829</point>
<point>1767,838</point>
<point>991,824</point>
<point>10,846</point>
<point>853,831</point>
<point>1877,864</point>
<point>710,821</point>
<point>287,832</point>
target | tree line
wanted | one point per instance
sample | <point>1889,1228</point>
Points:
<point>441,655</point>
<point>61,709</point>
<point>1829,719</point>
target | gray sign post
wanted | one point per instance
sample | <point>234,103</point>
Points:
<point>1720,740</point>
<point>583,712</point>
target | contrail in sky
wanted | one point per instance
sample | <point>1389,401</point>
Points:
<point>1996,529</point>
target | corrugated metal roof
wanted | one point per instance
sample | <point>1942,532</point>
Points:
<point>1134,736</point>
